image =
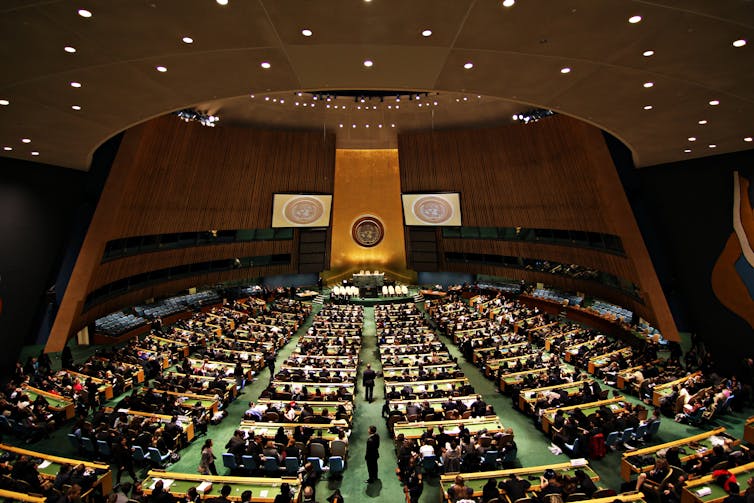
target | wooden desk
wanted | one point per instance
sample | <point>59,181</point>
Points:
<point>600,361</point>
<point>14,496</point>
<point>188,427</point>
<point>477,480</point>
<point>628,466</point>
<point>227,368</point>
<point>662,390</point>
<point>435,403</point>
<point>717,493</point>
<point>263,489</point>
<point>749,430</point>
<point>104,480</point>
<point>104,387</point>
<point>57,403</point>
<point>268,430</point>
<point>527,398</point>
<point>316,406</point>
<point>415,430</point>
<point>422,386</point>
<point>586,408</point>
<point>208,402</point>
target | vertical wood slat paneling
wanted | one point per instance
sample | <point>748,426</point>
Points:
<point>178,177</point>
<point>554,174</point>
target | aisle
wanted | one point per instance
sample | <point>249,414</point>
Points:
<point>352,486</point>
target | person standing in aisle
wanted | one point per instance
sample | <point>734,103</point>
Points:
<point>372,454</point>
<point>368,382</point>
<point>269,362</point>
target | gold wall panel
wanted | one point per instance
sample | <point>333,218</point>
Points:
<point>367,183</point>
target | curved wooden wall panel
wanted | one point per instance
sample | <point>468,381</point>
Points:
<point>553,174</point>
<point>170,176</point>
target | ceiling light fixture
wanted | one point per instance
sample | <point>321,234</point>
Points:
<point>687,150</point>
<point>76,107</point>
<point>702,122</point>
<point>187,40</point>
<point>508,3</point>
<point>692,138</point>
<point>648,84</point>
<point>75,84</point>
<point>85,13</point>
<point>714,102</point>
<point>4,103</point>
<point>533,115</point>
<point>748,139</point>
<point>565,70</point>
<point>306,32</point>
<point>25,140</point>
<point>161,69</point>
<point>469,65</point>
<point>427,33</point>
<point>634,19</point>
<point>739,43</point>
<point>189,115</point>
<point>647,54</point>
<point>265,64</point>
<point>8,148</point>
<point>647,107</point>
<point>368,63</point>
<point>222,2</point>
<point>69,49</point>
<point>35,152</point>
<point>712,145</point>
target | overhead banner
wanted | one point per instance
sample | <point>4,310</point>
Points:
<point>432,209</point>
<point>301,210</point>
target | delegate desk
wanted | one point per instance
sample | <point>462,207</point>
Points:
<point>509,380</point>
<point>429,386</point>
<point>716,492</point>
<point>181,347</point>
<point>188,426</point>
<point>527,398</point>
<point>616,405</point>
<point>438,357</point>
<point>268,430</point>
<point>57,403</point>
<point>227,368</point>
<point>415,430</point>
<point>492,367</point>
<point>229,393</point>
<point>137,371</point>
<point>317,407</point>
<point>662,390</point>
<point>597,362</point>
<point>262,489</point>
<point>50,467</point>
<point>477,480</point>
<point>14,496</point>
<point>104,387</point>
<point>162,355</point>
<point>435,403</point>
<point>392,373</point>
<point>697,444</point>
<point>326,389</point>
<point>479,353</point>
<point>749,430</point>
<point>188,400</point>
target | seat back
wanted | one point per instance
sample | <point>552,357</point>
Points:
<point>612,438</point>
<point>138,453</point>
<point>271,466</point>
<point>491,458</point>
<point>316,463</point>
<point>628,434</point>
<point>317,450</point>
<point>654,427</point>
<point>291,466</point>
<point>249,463</point>
<point>338,448</point>
<point>229,461</point>
<point>336,464</point>
<point>88,445</point>
<point>74,441</point>
<point>103,448</point>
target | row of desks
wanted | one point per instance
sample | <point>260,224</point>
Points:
<point>263,489</point>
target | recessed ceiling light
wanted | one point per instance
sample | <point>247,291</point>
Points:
<point>35,153</point>
<point>647,107</point>
<point>367,125</point>
<point>687,150</point>
<point>702,122</point>
<point>306,32</point>
<point>648,84</point>
<point>265,64</point>
<point>76,107</point>
<point>353,125</point>
<point>4,102</point>
<point>25,140</point>
<point>647,54</point>
<point>69,49</point>
<point>8,148</point>
<point>468,65</point>
<point>392,125</point>
<point>712,145</point>
<point>222,2</point>
<point>85,13</point>
<point>75,84</point>
<point>692,138</point>
<point>508,3</point>
<point>187,40</point>
<point>368,63</point>
<point>748,139</point>
<point>739,43</point>
<point>634,19</point>
<point>565,70</point>
<point>714,102</point>
<point>427,33</point>
<point>162,69</point>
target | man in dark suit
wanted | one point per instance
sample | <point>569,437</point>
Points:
<point>372,454</point>
<point>368,381</point>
